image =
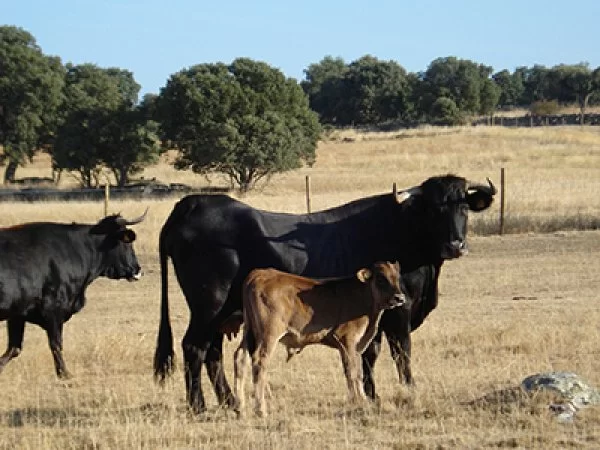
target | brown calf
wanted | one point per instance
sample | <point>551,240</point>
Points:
<point>298,311</point>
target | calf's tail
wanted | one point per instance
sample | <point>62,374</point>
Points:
<point>164,357</point>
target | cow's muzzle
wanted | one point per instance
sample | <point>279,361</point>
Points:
<point>455,249</point>
<point>397,300</point>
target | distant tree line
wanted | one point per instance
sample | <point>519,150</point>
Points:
<point>244,119</point>
<point>370,91</point>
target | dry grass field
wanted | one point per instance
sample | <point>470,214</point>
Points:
<point>518,304</point>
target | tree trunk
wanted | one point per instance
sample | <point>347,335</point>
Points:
<point>583,101</point>
<point>121,176</point>
<point>11,169</point>
<point>86,178</point>
<point>56,175</point>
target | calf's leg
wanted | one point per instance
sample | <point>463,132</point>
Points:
<point>356,375</point>
<point>353,372</point>
<point>260,360</point>
<point>241,358</point>
<point>16,329</point>
<point>369,357</point>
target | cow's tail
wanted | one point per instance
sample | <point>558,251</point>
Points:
<point>164,357</point>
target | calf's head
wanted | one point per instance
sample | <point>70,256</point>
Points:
<point>116,247</point>
<point>440,208</point>
<point>384,282</point>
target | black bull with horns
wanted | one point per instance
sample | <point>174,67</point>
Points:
<point>214,241</point>
<point>45,268</point>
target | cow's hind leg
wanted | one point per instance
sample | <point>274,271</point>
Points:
<point>205,277</point>
<point>16,329</point>
<point>54,331</point>
<point>369,357</point>
<point>194,354</point>
<point>216,374</point>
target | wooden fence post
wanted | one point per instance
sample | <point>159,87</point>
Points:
<point>502,199</point>
<point>106,197</point>
<point>308,194</point>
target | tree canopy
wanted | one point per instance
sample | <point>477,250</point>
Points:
<point>30,95</point>
<point>103,126</point>
<point>366,91</point>
<point>246,120</point>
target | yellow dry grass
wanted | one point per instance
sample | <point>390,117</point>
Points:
<point>568,109</point>
<point>518,304</point>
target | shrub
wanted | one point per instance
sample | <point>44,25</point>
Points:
<point>544,107</point>
<point>445,112</point>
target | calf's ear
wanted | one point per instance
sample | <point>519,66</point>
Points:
<point>363,275</point>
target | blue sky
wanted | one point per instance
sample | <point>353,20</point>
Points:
<point>156,39</point>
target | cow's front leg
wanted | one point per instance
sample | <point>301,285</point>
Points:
<point>54,331</point>
<point>16,329</point>
<point>369,357</point>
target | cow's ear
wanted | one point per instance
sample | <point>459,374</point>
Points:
<point>127,236</point>
<point>478,201</point>
<point>364,275</point>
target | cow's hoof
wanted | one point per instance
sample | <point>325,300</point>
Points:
<point>376,399</point>
<point>196,410</point>
<point>234,404</point>
<point>64,375</point>
<point>231,402</point>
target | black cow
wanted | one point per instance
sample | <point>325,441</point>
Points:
<point>45,269</point>
<point>215,241</point>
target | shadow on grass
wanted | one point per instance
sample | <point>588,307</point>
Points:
<point>513,399</point>
<point>49,417</point>
<point>149,413</point>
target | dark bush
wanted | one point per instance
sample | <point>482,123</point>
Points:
<point>544,107</point>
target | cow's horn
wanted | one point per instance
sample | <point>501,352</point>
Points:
<point>400,197</point>
<point>491,189</point>
<point>124,222</point>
